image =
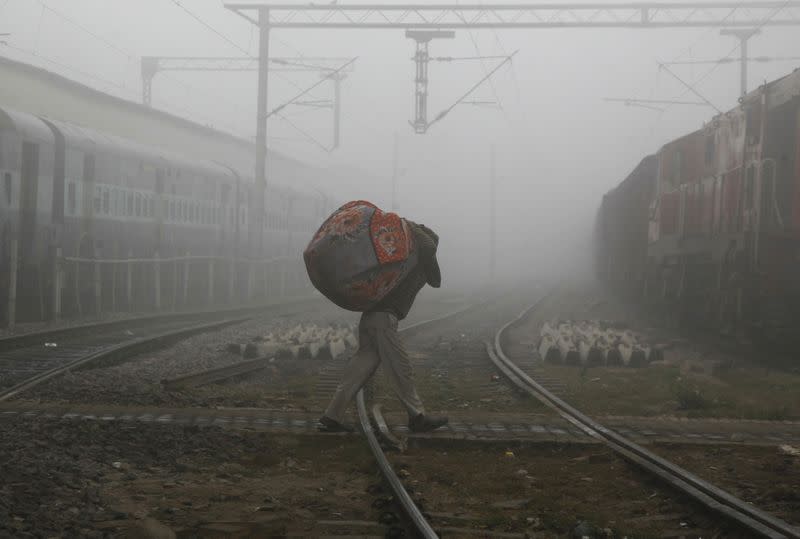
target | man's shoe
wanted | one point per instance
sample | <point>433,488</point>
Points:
<point>326,424</point>
<point>426,423</point>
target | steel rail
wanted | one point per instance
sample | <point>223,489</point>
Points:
<point>32,338</point>
<point>218,374</point>
<point>711,496</point>
<point>421,525</point>
<point>123,349</point>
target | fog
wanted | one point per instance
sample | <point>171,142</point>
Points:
<point>559,146</point>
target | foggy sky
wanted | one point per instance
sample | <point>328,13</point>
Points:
<point>559,146</point>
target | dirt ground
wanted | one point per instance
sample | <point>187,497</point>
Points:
<point>699,376</point>
<point>79,478</point>
<point>767,477</point>
<point>549,490</point>
<point>95,479</point>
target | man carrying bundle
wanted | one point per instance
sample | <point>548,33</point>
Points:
<point>380,343</point>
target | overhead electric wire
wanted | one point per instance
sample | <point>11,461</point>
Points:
<point>210,28</point>
<point>132,56</point>
<point>231,42</point>
<point>75,23</point>
<point>304,133</point>
<point>513,70</point>
<point>692,87</point>
<point>466,58</point>
<point>74,69</point>
<point>446,111</point>
<point>731,60</point>
<point>308,90</point>
<point>491,83</point>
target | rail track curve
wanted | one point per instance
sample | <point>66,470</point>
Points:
<point>711,496</point>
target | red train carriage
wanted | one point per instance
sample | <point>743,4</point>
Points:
<point>724,216</point>
<point>621,230</point>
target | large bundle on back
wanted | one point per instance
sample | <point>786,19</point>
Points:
<point>359,255</point>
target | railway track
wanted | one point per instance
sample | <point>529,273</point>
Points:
<point>417,520</point>
<point>711,496</point>
<point>28,360</point>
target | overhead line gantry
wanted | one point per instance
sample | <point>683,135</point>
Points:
<point>444,17</point>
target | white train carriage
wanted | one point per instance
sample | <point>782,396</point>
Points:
<point>26,217</point>
<point>79,195</point>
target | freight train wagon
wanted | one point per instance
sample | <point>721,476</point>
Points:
<point>723,218</point>
<point>70,192</point>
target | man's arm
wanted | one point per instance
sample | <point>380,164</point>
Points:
<point>427,243</point>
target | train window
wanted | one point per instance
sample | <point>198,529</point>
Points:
<point>130,204</point>
<point>98,193</point>
<point>138,204</point>
<point>149,200</point>
<point>159,180</point>
<point>71,198</point>
<point>710,150</point>
<point>106,201</point>
<point>88,168</point>
<point>677,164</point>
<point>749,187</point>
<point>7,187</point>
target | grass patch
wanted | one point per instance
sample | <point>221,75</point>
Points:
<point>747,392</point>
<point>690,398</point>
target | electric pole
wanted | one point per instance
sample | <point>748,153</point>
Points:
<point>492,215</point>
<point>257,235</point>
<point>743,35</point>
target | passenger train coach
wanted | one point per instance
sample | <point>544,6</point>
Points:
<point>709,226</point>
<point>91,222</point>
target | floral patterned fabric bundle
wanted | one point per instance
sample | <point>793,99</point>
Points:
<point>359,255</point>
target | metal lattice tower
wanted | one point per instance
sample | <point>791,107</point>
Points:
<point>422,59</point>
